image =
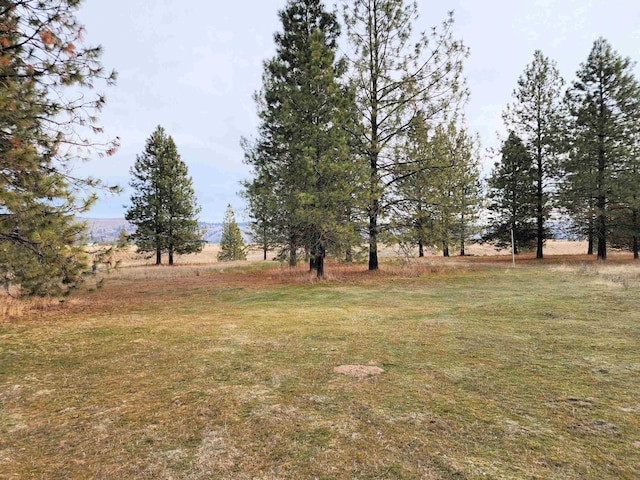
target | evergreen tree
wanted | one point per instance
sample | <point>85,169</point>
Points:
<point>512,190</point>
<point>301,163</point>
<point>43,132</point>
<point>535,116</point>
<point>262,205</point>
<point>627,218</point>
<point>437,187</point>
<point>396,79</point>
<point>412,221</point>
<point>455,187</point>
<point>231,244</point>
<point>163,205</point>
<point>576,190</point>
<point>603,104</point>
<point>123,239</point>
<point>467,188</point>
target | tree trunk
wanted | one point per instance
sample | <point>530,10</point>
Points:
<point>601,231</point>
<point>602,239</point>
<point>463,231</point>
<point>445,250</point>
<point>320,261</point>
<point>265,245</point>
<point>158,256</point>
<point>374,152</point>
<point>349,255</point>
<point>320,266</point>
<point>293,258</point>
<point>634,223</point>
<point>601,201</point>
<point>170,257</point>
<point>420,249</point>
<point>540,215</point>
<point>373,240</point>
<point>590,238</point>
<point>601,205</point>
<point>540,181</point>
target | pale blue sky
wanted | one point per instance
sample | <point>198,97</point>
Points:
<point>192,66</point>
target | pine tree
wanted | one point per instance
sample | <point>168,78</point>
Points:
<point>512,194</point>
<point>535,116</point>
<point>413,215</point>
<point>467,189</point>
<point>437,188</point>
<point>123,239</point>
<point>396,79</point>
<point>454,187</point>
<point>45,128</point>
<point>262,205</point>
<point>163,205</point>
<point>603,104</point>
<point>301,163</point>
<point>231,244</point>
<point>627,218</point>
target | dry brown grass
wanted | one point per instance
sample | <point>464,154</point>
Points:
<point>208,256</point>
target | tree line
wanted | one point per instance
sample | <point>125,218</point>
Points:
<point>373,143</point>
<point>361,136</point>
<point>571,150</point>
<point>344,141</point>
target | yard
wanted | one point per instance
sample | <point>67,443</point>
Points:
<point>203,372</point>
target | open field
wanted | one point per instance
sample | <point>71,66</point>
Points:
<point>210,372</point>
<point>209,254</point>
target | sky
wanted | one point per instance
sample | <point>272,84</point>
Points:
<point>193,66</point>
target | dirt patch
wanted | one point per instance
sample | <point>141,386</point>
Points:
<point>358,371</point>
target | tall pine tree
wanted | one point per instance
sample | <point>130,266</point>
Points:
<point>627,218</point>
<point>301,163</point>
<point>536,117</point>
<point>163,205</point>
<point>45,128</point>
<point>603,104</point>
<point>512,198</point>
<point>396,78</point>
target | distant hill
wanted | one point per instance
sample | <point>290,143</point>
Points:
<point>106,230</point>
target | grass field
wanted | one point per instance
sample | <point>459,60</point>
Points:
<point>197,372</point>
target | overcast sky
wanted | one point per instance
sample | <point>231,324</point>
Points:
<point>192,66</point>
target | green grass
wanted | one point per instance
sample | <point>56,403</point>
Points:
<point>488,373</point>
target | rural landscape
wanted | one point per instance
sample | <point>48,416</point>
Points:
<point>391,308</point>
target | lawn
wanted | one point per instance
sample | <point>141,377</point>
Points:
<point>202,373</point>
